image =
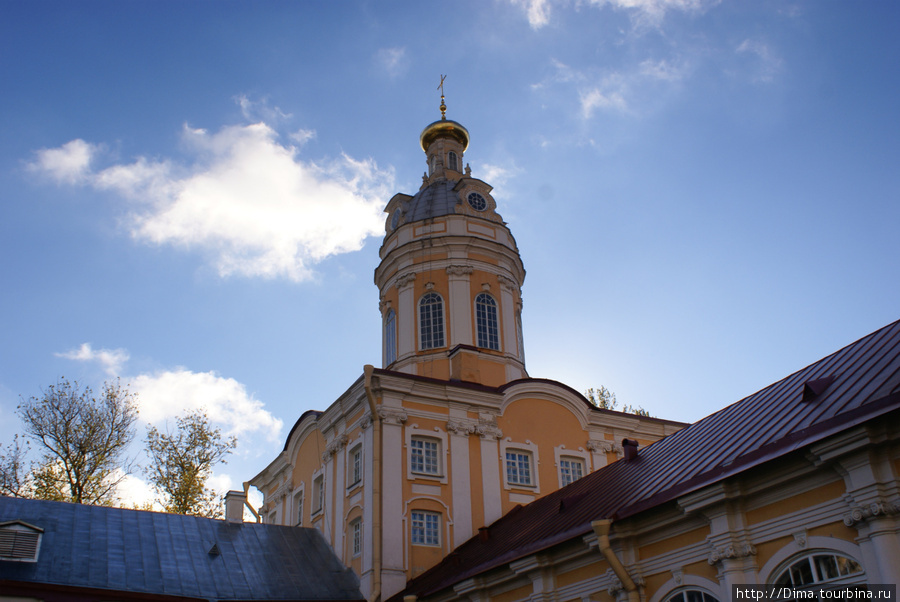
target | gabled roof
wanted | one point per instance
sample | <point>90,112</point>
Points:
<point>849,387</point>
<point>157,554</point>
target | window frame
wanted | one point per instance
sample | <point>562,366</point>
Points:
<point>531,451</point>
<point>356,538</point>
<point>356,469</point>
<point>390,337</point>
<point>453,161</point>
<point>487,322</point>
<point>412,433</point>
<point>428,307</point>
<point>572,461</point>
<point>318,485</point>
<point>425,516</point>
<point>787,567</point>
<point>298,498</point>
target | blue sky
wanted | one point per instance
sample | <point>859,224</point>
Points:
<point>705,194</point>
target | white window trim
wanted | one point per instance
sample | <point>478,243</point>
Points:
<point>352,447</point>
<point>313,511</point>
<point>354,525</point>
<point>390,337</point>
<point>299,493</point>
<point>560,452</point>
<point>529,448</point>
<point>440,538</point>
<point>413,430</point>
<point>444,332</point>
<point>496,320</point>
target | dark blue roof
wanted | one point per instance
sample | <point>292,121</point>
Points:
<point>96,547</point>
<point>435,200</point>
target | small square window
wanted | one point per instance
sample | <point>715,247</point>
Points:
<point>424,457</point>
<point>570,469</point>
<point>518,468</point>
<point>426,528</point>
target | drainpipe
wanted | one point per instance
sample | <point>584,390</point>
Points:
<point>375,596</point>
<point>601,529</point>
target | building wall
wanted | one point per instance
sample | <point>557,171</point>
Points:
<point>472,428</point>
<point>840,497</point>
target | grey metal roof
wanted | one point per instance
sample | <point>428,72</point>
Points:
<point>435,200</point>
<point>135,551</point>
<point>856,384</point>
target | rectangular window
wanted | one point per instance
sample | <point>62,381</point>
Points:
<point>356,537</point>
<point>298,508</point>
<point>426,528</point>
<point>518,468</point>
<point>424,458</point>
<point>319,493</point>
<point>570,469</point>
<point>356,465</point>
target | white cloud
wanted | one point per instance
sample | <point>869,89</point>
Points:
<point>247,201</point>
<point>135,491</point>
<point>259,110</point>
<point>661,70</point>
<point>537,11</point>
<point>170,393</point>
<point>609,95</point>
<point>769,63</point>
<point>111,360</point>
<point>68,164</point>
<point>497,175</point>
<point>393,61</point>
<point>643,12</point>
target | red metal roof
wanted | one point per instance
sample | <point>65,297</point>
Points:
<point>851,386</point>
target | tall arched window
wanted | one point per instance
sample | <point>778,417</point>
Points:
<point>453,161</point>
<point>431,321</point>
<point>486,322</point>
<point>390,338</point>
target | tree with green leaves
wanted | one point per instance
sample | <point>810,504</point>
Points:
<point>83,440</point>
<point>182,462</point>
<point>605,399</point>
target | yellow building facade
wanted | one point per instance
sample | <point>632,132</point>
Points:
<point>418,456</point>
<point>795,488</point>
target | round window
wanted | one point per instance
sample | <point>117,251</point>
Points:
<point>477,202</point>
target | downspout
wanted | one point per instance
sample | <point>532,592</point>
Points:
<point>375,596</point>
<point>601,529</point>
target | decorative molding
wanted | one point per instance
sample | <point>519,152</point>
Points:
<point>391,416</point>
<point>604,446</point>
<point>336,444</point>
<point>488,429</point>
<point>800,538</point>
<point>405,280</point>
<point>678,577</point>
<point>508,283</point>
<point>383,305</point>
<point>860,514</point>
<point>459,270</point>
<point>615,584</point>
<point>462,428</point>
<point>731,551</point>
<point>366,421</point>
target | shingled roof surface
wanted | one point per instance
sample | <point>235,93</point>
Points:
<point>851,386</point>
<point>116,549</point>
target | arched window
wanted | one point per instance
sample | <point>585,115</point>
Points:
<point>486,321</point>
<point>818,567</point>
<point>431,321</point>
<point>390,338</point>
<point>453,161</point>
<point>432,164</point>
<point>691,595</point>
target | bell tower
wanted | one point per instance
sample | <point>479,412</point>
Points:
<point>450,277</point>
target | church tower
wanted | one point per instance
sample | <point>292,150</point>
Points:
<point>450,277</point>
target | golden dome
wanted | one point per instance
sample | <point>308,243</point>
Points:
<point>444,128</point>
